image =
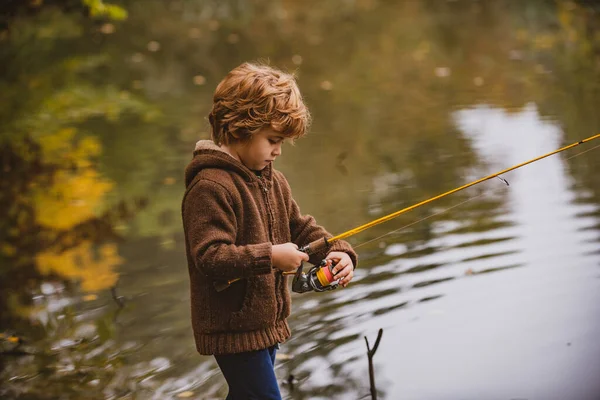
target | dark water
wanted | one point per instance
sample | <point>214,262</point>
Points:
<point>490,293</point>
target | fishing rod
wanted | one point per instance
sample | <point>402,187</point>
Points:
<point>320,277</point>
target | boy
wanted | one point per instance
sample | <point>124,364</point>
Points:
<point>240,221</point>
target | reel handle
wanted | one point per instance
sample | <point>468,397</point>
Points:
<point>300,281</point>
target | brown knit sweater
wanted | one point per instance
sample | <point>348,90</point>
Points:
<point>231,218</point>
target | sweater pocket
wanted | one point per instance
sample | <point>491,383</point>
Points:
<point>259,308</point>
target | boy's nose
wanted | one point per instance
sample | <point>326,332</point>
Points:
<point>277,150</point>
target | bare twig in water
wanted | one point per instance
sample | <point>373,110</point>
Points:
<point>290,381</point>
<point>120,300</point>
<point>370,354</point>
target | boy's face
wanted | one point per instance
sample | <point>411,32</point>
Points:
<point>262,149</point>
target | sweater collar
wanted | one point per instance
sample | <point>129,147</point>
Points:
<point>208,155</point>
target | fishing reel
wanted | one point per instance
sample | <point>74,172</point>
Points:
<point>318,279</point>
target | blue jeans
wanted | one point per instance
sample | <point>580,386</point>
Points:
<point>251,375</point>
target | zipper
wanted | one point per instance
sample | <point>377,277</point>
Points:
<point>278,277</point>
<point>265,191</point>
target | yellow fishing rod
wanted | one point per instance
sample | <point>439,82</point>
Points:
<point>320,278</point>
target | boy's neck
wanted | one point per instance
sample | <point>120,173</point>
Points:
<point>234,154</point>
<point>230,151</point>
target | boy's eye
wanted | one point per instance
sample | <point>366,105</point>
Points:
<point>275,141</point>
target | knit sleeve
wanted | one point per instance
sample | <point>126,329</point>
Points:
<point>304,230</point>
<point>210,229</point>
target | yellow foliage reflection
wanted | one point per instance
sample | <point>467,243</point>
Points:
<point>72,199</point>
<point>95,269</point>
<point>75,194</point>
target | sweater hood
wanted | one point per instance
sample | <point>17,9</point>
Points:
<point>208,155</point>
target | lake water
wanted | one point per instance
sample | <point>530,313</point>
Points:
<point>489,293</point>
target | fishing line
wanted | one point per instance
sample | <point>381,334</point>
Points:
<point>388,217</point>
<point>420,220</point>
<point>583,152</point>
<point>456,205</point>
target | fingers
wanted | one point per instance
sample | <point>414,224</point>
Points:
<point>344,269</point>
<point>345,275</point>
<point>304,256</point>
<point>337,256</point>
<point>344,282</point>
<point>341,261</point>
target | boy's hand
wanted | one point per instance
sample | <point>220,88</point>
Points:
<point>344,268</point>
<point>286,257</point>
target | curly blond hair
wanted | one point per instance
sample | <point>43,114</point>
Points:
<point>253,96</point>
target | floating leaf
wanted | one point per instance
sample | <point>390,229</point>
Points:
<point>283,357</point>
<point>13,339</point>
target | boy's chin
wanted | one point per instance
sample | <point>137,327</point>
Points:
<point>260,167</point>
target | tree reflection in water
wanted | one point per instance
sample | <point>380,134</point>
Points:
<point>100,114</point>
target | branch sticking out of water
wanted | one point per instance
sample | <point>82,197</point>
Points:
<point>370,354</point>
<point>120,300</point>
